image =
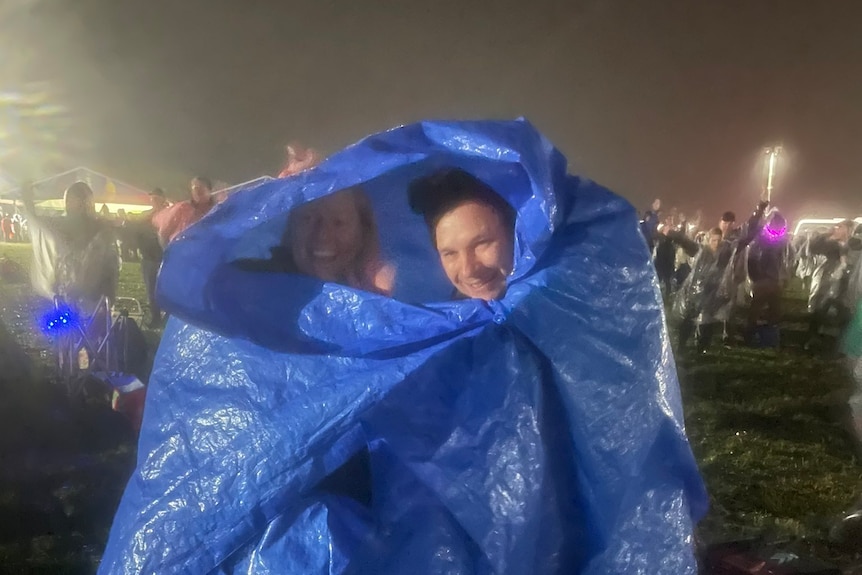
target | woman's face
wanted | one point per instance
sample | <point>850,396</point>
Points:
<point>327,237</point>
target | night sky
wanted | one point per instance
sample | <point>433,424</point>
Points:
<point>672,99</point>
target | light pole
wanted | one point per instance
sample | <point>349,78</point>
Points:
<point>773,154</point>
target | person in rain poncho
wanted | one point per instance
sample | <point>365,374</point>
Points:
<point>704,297</point>
<point>526,421</point>
<point>174,220</point>
<point>768,269</point>
<point>472,228</point>
<point>853,294</point>
<point>75,256</point>
<point>848,532</point>
<point>853,351</point>
<point>707,295</point>
<point>831,278</point>
<point>806,262</point>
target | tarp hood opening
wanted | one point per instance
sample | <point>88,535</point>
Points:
<point>254,305</point>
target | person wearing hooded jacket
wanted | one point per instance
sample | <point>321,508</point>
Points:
<point>831,277</point>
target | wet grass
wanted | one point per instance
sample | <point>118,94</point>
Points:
<point>768,429</point>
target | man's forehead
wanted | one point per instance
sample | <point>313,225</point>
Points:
<point>467,221</point>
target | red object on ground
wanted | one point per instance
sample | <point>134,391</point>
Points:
<point>131,405</point>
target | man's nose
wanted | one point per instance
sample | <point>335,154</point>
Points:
<point>470,265</point>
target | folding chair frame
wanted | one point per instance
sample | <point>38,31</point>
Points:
<point>70,345</point>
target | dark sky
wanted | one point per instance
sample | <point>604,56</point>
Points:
<point>660,98</point>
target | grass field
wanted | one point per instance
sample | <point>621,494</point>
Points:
<point>768,428</point>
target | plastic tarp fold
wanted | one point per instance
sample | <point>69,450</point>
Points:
<point>542,433</point>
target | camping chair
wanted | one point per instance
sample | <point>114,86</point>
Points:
<point>83,356</point>
<point>80,349</point>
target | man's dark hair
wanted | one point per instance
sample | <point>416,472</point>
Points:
<point>728,217</point>
<point>205,181</point>
<point>159,192</point>
<point>434,196</point>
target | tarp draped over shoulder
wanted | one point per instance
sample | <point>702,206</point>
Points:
<point>542,433</point>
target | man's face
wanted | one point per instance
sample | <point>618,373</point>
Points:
<point>725,226</point>
<point>476,250</point>
<point>200,192</point>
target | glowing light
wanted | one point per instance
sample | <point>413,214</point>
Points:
<point>58,321</point>
<point>773,234</point>
<point>770,176</point>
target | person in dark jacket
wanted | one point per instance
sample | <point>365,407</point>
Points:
<point>727,225</point>
<point>768,263</point>
<point>664,258</point>
<point>147,241</point>
<point>650,223</point>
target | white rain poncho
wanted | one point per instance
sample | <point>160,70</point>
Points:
<point>829,281</point>
<point>76,259</point>
<point>706,295</point>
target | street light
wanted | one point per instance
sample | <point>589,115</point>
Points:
<point>773,154</point>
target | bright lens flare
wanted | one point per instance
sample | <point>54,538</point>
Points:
<point>35,133</point>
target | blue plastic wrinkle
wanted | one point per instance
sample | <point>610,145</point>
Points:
<point>541,433</point>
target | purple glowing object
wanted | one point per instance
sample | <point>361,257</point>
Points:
<point>774,234</point>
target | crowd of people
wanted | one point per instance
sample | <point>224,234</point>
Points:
<point>705,275</point>
<point>13,226</point>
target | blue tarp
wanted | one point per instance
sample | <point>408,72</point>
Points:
<point>539,434</point>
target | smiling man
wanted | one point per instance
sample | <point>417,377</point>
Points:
<point>472,229</point>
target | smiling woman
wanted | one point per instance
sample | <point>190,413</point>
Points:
<point>335,239</point>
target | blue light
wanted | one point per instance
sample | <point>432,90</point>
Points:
<point>58,320</point>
